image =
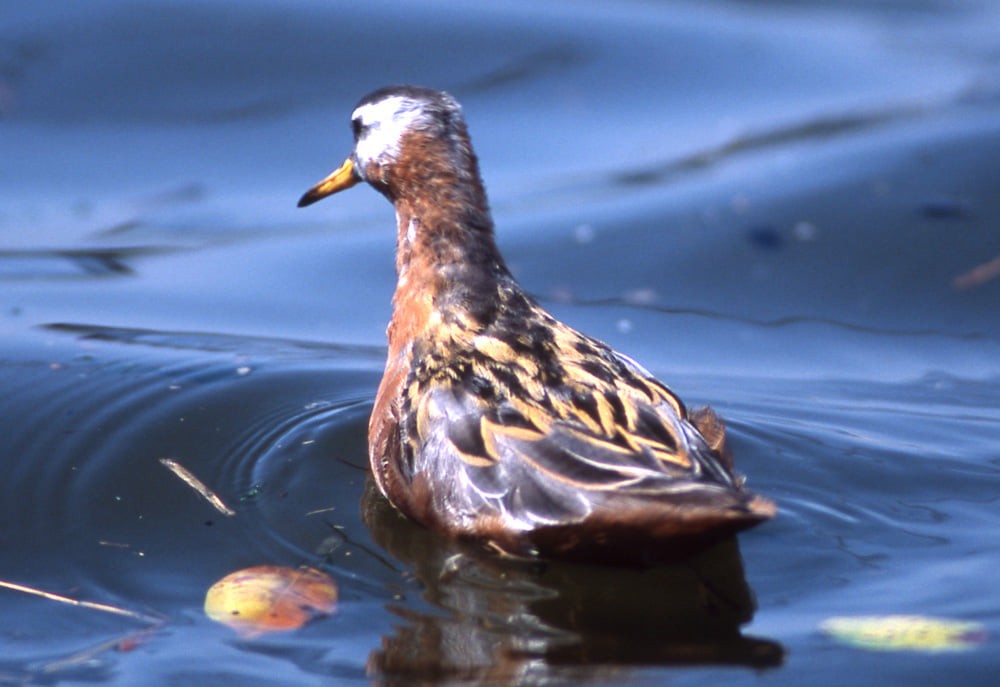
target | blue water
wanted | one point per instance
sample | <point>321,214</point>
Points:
<point>779,208</point>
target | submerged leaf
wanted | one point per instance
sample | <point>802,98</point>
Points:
<point>905,633</point>
<point>270,598</point>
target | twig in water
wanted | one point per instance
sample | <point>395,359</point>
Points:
<point>189,479</point>
<point>980,274</point>
<point>80,658</point>
<point>135,615</point>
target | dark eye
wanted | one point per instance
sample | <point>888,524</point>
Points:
<point>357,127</point>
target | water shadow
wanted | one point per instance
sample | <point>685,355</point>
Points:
<point>210,342</point>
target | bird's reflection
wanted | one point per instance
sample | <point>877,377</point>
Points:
<point>509,621</point>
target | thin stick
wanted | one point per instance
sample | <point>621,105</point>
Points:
<point>980,274</point>
<point>189,479</point>
<point>84,656</point>
<point>142,617</point>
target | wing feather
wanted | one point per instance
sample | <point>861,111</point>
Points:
<point>531,467</point>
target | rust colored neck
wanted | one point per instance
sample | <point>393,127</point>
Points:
<point>447,261</point>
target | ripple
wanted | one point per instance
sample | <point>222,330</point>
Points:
<point>89,509</point>
<point>73,263</point>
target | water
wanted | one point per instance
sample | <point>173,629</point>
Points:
<point>777,207</point>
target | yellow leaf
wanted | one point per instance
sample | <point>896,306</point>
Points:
<point>905,633</point>
<point>270,598</point>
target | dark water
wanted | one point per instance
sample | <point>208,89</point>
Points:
<point>777,207</point>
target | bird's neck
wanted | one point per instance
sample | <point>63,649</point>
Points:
<point>449,269</point>
<point>448,266</point>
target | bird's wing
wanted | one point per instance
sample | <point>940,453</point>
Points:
<point>545,463</point>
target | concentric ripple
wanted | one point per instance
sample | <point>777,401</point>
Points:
<point>90,510</point>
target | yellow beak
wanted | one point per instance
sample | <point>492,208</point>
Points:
<point>341,178</point>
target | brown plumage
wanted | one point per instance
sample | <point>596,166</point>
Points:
<point>495,422</point>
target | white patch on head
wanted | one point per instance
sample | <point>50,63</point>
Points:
<point>384,123</point>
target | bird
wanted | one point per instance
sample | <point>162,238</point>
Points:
<point>494,423</point>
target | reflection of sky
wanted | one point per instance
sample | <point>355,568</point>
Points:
<point>178,126</point>
<point>253,92</point>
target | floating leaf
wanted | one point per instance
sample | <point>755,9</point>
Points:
<point>270,598</point>
<point>905,633</point>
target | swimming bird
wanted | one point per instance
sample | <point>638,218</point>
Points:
<point>494,422</point>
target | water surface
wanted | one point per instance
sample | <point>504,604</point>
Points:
<point>787,210</point>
